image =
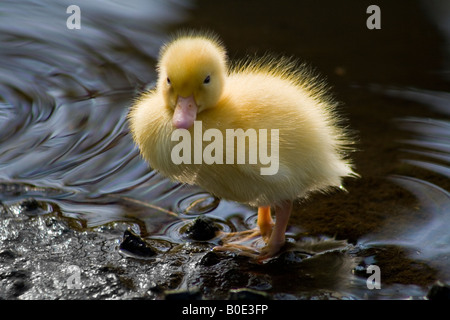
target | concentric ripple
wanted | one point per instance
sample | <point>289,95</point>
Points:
<point>427,148</point>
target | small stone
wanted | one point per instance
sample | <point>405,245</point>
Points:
<point>202,229</point>
<point>209,259</point>
<point>439,291</point>
<point>16,283</point>
<point>30,206</point>
<point>7,255</point>
<point>18,287</point>
<point>134,244</point>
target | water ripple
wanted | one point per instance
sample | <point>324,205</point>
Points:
<point>63,113</point>
<point>427,148</point>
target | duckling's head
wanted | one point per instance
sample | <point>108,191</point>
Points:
<point>192,70</point>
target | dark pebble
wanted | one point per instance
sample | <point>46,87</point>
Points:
<point>18,288</point>
<point>293,257</point>
<point>439,291</point>
<point>248,294</point>
<point>202,229</point>
<point>7,255</point>
<point>30,206</point>
<point>134,244</point>
<point>209,259</point>
<point>18,282</point>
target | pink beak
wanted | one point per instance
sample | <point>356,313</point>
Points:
<point>185,112</point>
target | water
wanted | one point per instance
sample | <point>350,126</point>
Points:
<point>64,98</point>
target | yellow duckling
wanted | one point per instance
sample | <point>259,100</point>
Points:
<point>273,106</point>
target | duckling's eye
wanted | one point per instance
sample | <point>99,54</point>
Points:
<point>207,80</point>
<point>168,80</point>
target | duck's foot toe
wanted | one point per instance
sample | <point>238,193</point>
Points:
<point>240,237</point>
<point>260,255</point>
<point>250,244</point>
<point>271,250</point>
<point>241,250</point>
<point>244,243</point>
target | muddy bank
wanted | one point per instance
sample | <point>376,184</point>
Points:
<point>44,256</point>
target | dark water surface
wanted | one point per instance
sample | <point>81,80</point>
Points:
<point>72,181</point>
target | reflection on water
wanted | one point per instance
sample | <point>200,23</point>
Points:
<point>428,148</point>
<point>63,113</point>
<point>431,239</point>
<point>64,97</point>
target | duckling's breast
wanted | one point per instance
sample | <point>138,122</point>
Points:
<point>282,129</point>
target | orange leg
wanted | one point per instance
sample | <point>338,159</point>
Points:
<point>265,222</point>
<point>272,233</point>
<point>265,225</point>
<point>277,237</point>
